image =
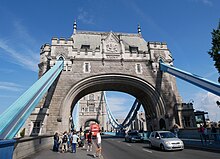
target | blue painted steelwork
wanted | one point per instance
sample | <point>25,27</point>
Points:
<point>15,116</point>
<point>6,149</point>
<point>128,120</point>
<point>132,115</point>
<point>111,118</point>
<point>191,78</point>
<point>130,112</point>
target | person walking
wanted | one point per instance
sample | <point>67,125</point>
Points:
<point>64,142</point>
<point>82,139</point>
<point>74,142</point>
<point>175,130</point>
<point>56,142</point>
<point>89,141</point>
<point>206,135</point>
<point>214,132</point>
<point>98,143</point>
<point>201,133</point>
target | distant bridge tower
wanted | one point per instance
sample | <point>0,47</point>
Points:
<point>92,108</point>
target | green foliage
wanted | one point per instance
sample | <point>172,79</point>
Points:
<point>215,50</point>
<point>22,133</point>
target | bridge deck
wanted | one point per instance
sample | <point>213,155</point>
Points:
<point>47,153</point>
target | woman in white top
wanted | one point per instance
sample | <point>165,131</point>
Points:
<point>99,149</point>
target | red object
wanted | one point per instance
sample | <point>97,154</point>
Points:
<point>94,128</point>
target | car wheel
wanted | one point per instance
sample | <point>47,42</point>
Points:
<point>162,147</point>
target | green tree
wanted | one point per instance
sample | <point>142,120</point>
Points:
<point>214,52</point>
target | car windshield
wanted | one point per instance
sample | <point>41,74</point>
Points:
<point>134,134</point>
<point>167,135</point>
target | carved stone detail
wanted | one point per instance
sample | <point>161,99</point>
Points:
<point>61,50</point>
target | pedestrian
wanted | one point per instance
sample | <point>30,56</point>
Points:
<point>64,142</point>
<point>206,135</point>
<point>74,142</point>
<point>98,143</point>
<point>56,142</point>
<point>89,141</point>
<point>201,133</point>
<point>69,142</point>
<point>176,130</point>
<point>213,132</point>
<point>82,139</point>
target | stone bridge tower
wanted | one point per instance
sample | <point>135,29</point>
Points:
<point>92,108</point>
<point>105,61</point>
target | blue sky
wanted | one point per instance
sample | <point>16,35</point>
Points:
<point>185,25</point>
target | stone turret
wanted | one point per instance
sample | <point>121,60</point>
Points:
<point>74,27</point>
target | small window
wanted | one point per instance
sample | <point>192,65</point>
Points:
<point>36,127</point>
<point>91,109</point>
<point>86,47</point>
<point>138,68</point>
<point>91,97</point>
<point>97,109</point>
<point>133,49</point>
<point>86,67</point>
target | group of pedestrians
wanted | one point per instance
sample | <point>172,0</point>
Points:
<point>204,135</point>
<point>70,141</point>
<point>65,141</point>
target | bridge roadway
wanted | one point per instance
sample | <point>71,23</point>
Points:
<point>117,148</point>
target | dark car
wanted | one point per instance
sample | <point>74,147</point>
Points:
<point>133,137</point>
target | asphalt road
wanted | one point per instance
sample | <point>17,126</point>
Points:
<point>117,148</point>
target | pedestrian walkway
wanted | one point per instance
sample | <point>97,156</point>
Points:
<point>197,144</point>
<point>48,153</point>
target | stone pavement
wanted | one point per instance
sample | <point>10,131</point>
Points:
<point>47,153</point>
<point>213,146</point>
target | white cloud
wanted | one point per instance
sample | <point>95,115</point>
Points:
<point>20,48</point>
<point>120,106</point>
<point>85,17</point>
<point>22,32</point>
<point>9,86</point>
<point>25,60</point>
<point>207,102</point>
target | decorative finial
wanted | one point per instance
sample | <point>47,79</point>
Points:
<point>139,29</point>
<point>74,27</point>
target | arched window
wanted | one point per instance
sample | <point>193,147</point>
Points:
<point>61,58</point>
<point>91,97</point>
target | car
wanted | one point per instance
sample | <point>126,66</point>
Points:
<point>133,136</point>
<point>165,140</point>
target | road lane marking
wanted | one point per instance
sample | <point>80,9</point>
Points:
<point>119,141</point>
<point>147,150</point>
<point>128,144</point>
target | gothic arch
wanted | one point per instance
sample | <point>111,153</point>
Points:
<point>151,100</point>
